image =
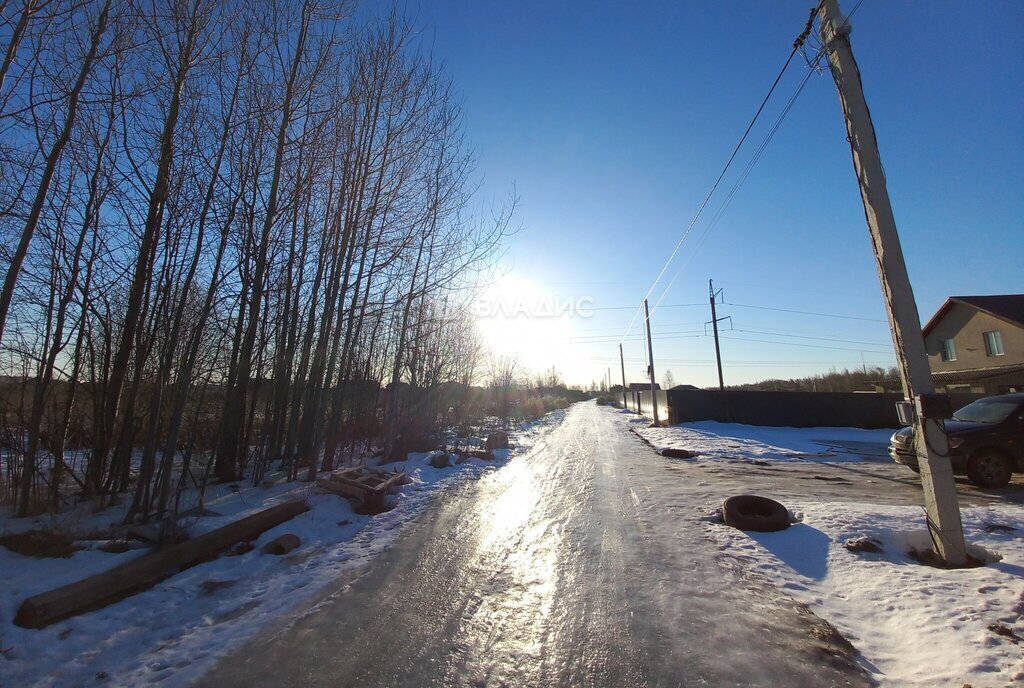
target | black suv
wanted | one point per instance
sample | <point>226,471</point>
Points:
<point>986,440</point>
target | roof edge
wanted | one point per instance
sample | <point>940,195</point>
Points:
<point>965,301</point>
<point>939,314</point>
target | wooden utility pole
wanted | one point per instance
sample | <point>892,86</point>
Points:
<point>932,445</point>
<point>650,370</point>
<point>714,326</point>
<point>622,363</point>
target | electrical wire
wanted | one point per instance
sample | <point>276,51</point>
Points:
<point>739,182</point>
<point>796,46</point>
<point>703,362</point>
<point>805,336</point>
<point>802,346</point>
<point>813,67</point>
<point>749,305</point>
<point>743,176</point>
<point>790,310</point>
<point>854,10</point>
<point>622,308</point>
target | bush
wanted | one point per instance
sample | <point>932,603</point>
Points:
<point>40,543</point>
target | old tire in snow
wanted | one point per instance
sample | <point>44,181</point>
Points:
<point>750,512</point>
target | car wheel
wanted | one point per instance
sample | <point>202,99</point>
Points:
<point>989,468</point>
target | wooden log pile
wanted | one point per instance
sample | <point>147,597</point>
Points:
<point>365,487</point>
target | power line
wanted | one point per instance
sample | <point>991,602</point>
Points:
<point>657,334</point>
<point>804,346</point>
<point>805,336</point>
<point>763,308</point>
<point>812,64</point>
<point>789,310</point>
<point>639,339</point>
<point>796,46</point>
<point>622,308</point>
<point>698,335</point>
<point>743,176</point>
<point>700,363</point>
<point>812,68</point>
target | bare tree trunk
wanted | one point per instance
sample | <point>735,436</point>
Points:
<point>141,277</point>
<point>36,210</point>
<point>230,450</point>
<point>56,338</point>
<point>188,360</point>
<point>396,370</point>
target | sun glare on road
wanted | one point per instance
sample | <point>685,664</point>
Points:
<point>509,513</point>
<point>518,553</point>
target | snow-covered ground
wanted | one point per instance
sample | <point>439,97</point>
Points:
<point>175,631</point>
<point>730,441</point>
<point>914,625</point>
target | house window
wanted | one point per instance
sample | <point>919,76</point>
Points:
<point>994,343</point>
<point>947,350</point>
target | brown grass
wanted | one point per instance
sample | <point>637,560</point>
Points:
<point>40,543</point>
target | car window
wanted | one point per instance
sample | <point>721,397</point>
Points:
<point>989,411</point>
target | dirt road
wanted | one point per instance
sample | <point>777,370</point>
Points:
<point>583,563</point>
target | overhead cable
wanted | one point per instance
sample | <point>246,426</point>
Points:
<point>796,46</point>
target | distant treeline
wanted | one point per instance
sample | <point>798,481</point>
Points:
<point>846,380</point>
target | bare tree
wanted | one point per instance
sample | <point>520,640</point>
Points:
<point>296,284</point>
<point>97,31</point>
<point>504,373</point>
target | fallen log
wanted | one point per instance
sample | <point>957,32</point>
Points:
<point>134,576</point>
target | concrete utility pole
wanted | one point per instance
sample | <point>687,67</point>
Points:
<point>904,320</point>
<point>650,370</point>
<point>714,326</point>
<point>622,363</point>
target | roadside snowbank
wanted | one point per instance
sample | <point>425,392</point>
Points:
<point>173,632</point>
<point>733,441</point>
<point>914,625</point>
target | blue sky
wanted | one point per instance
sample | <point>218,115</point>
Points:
<point>613,119</point>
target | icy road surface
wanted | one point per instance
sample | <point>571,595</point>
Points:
<point>570,566</point>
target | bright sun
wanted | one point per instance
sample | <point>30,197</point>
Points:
<point>517,317</point>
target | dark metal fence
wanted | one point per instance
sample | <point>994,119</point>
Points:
<point>786,409</point>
